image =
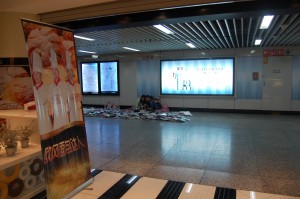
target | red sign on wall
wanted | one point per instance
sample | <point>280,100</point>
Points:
<point>274,52</point>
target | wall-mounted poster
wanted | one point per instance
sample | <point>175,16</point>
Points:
<point>52,60</point>
<point>15,87</point>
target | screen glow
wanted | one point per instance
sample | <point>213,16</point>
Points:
<point>197,77</point>
<point>89,73</point>
<point>109,77</point>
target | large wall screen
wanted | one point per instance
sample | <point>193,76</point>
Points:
<point>198,77</point>
<point>109,78</point>
<point>100,78</point>
<point>90,80</point>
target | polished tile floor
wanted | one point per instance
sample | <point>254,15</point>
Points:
<point>108,185</point>
<point>242,151</point>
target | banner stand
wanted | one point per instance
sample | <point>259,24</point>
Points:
<point>54,73</point>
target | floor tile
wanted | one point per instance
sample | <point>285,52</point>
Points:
<point>233,165</point>
<point>106,150</point>
<point>234,141</point>
<point>185,159</point>
<point>278,154</point>
<point>279,169</point>
<point>97,161</point>
<point>194,146</point>
<point>143,155</point>
<point>239,153</point>
<point>175,173</point>
<point>128,167</point>
<point>157,144</point>
<point>229,180</point>
<point>281,186</point>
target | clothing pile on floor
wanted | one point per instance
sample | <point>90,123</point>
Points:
<point>181,116</point>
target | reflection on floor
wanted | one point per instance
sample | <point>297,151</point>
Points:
<point>248,152</point>
<point>108,185</point>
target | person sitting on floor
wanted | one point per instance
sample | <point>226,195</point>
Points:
<point>155,104</point>
<point>142,105</point>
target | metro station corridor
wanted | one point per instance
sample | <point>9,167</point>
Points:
<point>253,152</point>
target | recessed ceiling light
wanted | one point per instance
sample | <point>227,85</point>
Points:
<point>191,45</point>
<point>203,53</point>
<point>84,38</point>
<point>131,49</point>
<point>266,21</point>
<point>164,29</point>
<point>257,42</point>
<point>84,51</point>
<point>252,51</point>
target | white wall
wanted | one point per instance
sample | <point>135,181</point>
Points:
<point>11,35</point>
<point>128,81</point>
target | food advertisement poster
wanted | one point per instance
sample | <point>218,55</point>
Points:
<point>53,67</point>
<point>15,87</point>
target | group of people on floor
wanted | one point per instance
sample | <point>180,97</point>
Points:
<point>149,103</point>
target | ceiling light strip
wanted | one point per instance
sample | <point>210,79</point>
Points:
<point>162,28</point>
<point>257,42</point>
<point>84,38</point>
<point>127,48</point>
<point>190,45</point>
<point>266,22</point>
<point>84,51</point>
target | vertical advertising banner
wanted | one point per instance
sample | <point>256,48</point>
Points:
<point>53,67</point>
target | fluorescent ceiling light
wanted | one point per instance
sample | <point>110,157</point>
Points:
<point>130,49</point>
<point>266,22</point>
<point>257,42</point>
<point>191,45</point>
<point>84,38</point>
<point>164,29</point>
<point>84,51</point>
